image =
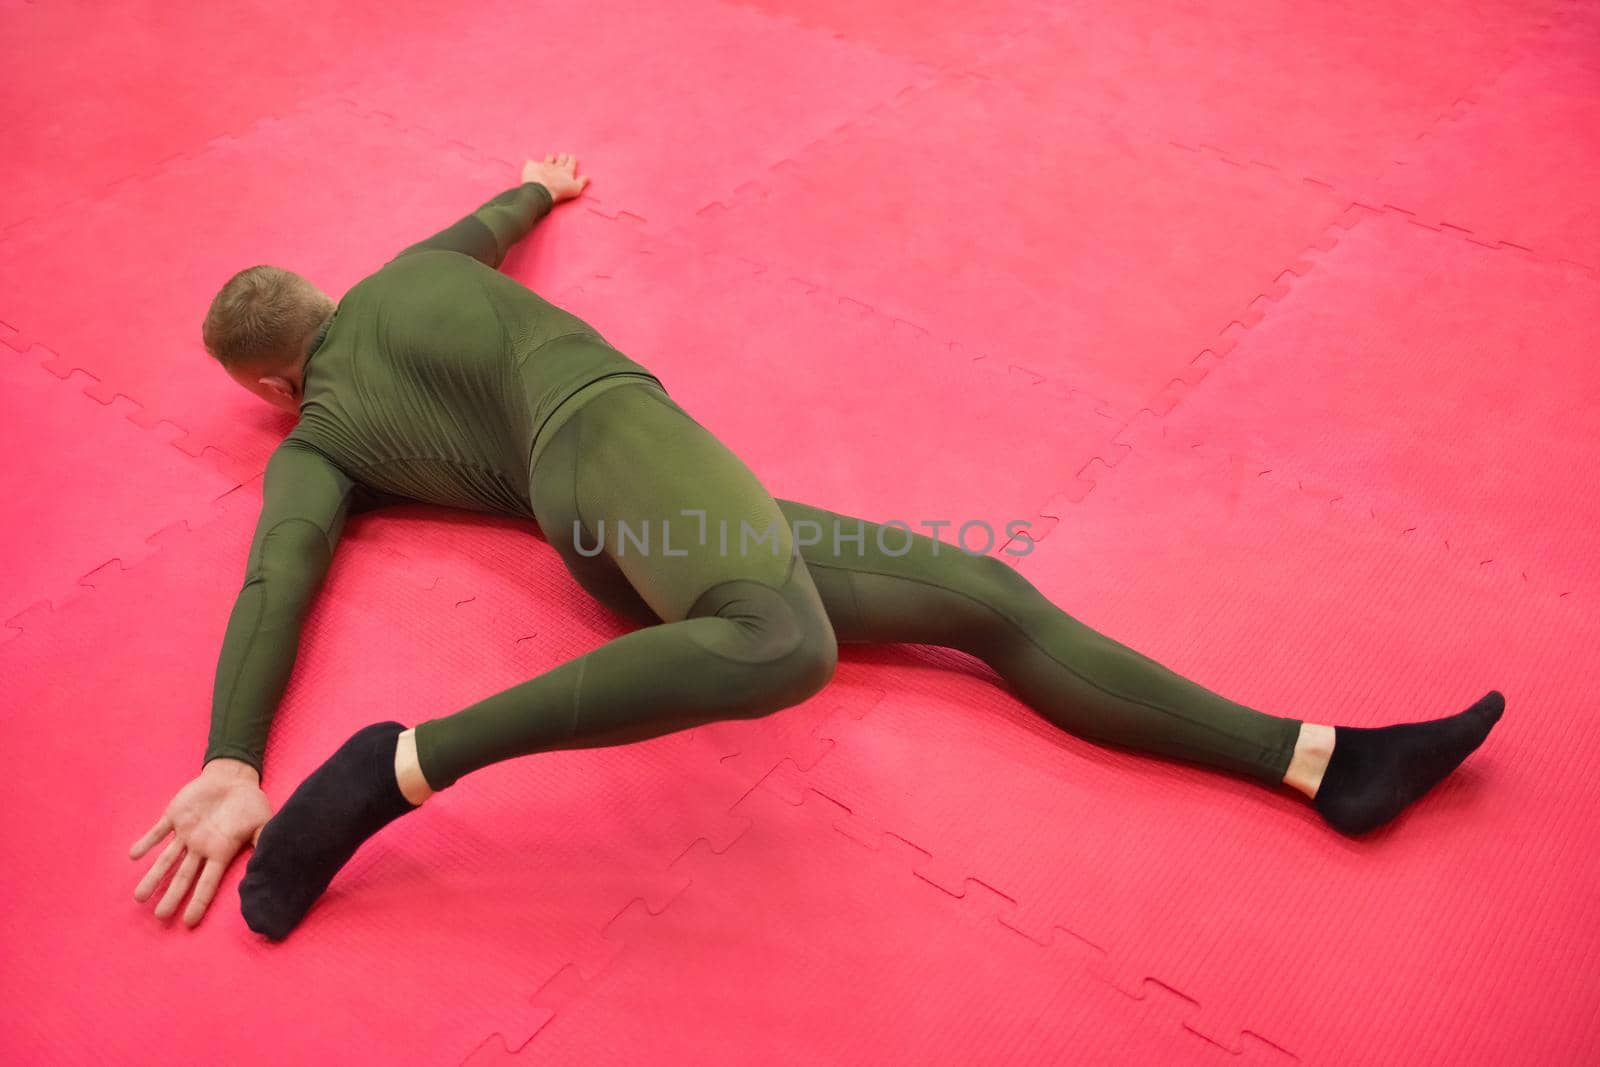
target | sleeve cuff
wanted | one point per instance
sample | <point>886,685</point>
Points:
<point>234,753</point>
<point>541,194</point>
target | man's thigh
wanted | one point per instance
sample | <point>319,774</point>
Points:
<point>674,508</point>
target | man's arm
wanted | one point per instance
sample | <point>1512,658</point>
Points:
<point>305,502</point>
<point>303,509</point>
<point>489,232</point>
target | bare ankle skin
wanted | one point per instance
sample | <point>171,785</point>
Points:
<point>408,771</point>
<point>1312,750</point>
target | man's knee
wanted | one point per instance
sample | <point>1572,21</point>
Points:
<point>801,672</point>
<point>818,657</point>
<point>784,634</point>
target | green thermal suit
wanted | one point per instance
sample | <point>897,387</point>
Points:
<point>440,379</point>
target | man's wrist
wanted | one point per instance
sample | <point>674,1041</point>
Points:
<point>233,769</point>
<point>543,191</point>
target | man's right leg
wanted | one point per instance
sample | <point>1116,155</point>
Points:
<point>749,648</point>
<point>626,487</point>
<point>744,634</point>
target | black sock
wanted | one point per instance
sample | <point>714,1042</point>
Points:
<point>349,798</point>
<point>1375,773</point>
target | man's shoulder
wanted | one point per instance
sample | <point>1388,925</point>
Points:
<point>301,444</point>
<point>419,274</point>
<point>302,462</point>
<point>428,260</point>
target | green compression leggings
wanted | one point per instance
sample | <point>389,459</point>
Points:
<point>744,598</point>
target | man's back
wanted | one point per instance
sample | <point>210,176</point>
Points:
<point>435,375</point>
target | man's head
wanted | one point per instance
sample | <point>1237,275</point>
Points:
<point>261,327</point>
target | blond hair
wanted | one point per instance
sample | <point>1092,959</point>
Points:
<point>264,314</point>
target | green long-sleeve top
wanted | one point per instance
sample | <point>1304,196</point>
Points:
<point>431,382</point>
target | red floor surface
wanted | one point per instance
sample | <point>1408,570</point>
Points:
<point>1278,321</point>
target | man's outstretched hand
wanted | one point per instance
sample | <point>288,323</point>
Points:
<point>557,173</point>
<point>210,820</point>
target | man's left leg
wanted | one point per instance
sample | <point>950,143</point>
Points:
<point>890,584</point>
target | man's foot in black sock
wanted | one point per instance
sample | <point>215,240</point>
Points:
<point>345,801</point>
<point>1375,773</point>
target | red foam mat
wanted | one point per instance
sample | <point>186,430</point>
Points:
<point>1275,320</point>
<point>1038,267</point>
<point>1433,932</point>
<point>126,484</point>
<point>1326,92</point>
<point>1509,168</point>
<point>1405,376</point>
<point>774,944</point>
<point>674,104</point>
